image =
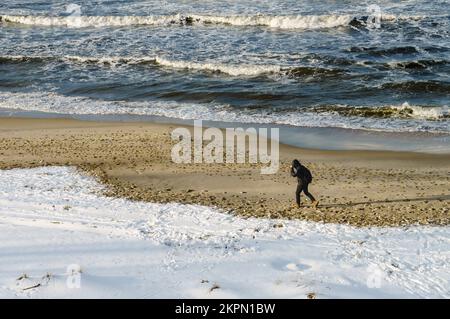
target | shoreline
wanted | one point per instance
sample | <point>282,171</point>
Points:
<point>314,138</point>
<point>360,188</point>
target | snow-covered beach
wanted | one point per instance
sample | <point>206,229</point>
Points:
<point>53,219</point>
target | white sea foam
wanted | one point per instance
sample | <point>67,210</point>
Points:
<point>109,60</point>
<point>234,70</point>
<point>421,119</point>
<point>424,112</point>
<point>230,69</point>
<point>282,22</point>
<point>271,21</point>
<point>91,21</point>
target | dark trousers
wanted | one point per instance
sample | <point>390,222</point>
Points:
<point>303,187</point>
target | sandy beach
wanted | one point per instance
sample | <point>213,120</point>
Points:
<point>360,188</point>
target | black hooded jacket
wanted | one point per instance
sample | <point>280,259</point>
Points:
<point>301,172</point>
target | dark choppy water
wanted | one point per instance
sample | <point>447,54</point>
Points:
<point>301,63</point>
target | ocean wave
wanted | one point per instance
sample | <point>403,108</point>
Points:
<point>281,22</point>
<point>402,118</point>
<point>418,86</point>
<point>312,71</point>
<point>90,21</point>
<point>17,59</point>
<point>230,69</point>
<point>249,70</point>
<point>416,65</point>
<point>430,113</point>
<point>107,60</point>
<point>10,59</point>
<point>404,111</point>
<point>377,51</point>
<point>233,70</point>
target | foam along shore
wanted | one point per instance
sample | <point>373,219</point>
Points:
<point>390,119</point>
<point>361,188</point>
<point>55,219</point>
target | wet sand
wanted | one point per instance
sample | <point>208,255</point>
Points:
<point>361,188</point>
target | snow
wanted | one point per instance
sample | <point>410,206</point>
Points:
<point>70,241</point>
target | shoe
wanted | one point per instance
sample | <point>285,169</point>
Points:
<point>315,204</point>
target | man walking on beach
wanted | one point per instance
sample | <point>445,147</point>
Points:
<point>304,177</point>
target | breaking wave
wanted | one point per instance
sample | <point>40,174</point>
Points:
<point>11,59</point>
<point>212,67</point>
<point>404,111</point>
<point>233,70</point>
<point>281,22</point>
<point>416,65</point>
